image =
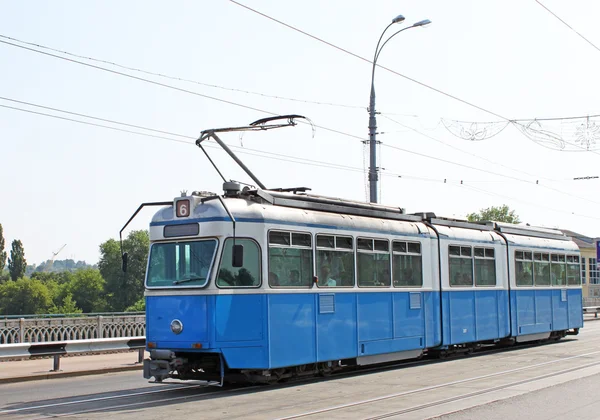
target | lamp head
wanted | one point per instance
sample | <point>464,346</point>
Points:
<point>422,22</point>
<point>398,19</point>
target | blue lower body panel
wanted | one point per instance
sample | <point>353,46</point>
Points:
<point>311,328</point>
<point>474,315</point>
<point>544,310</point>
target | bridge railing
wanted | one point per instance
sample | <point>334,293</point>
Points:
<point>27,329</point>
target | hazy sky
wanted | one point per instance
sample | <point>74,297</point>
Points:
<point>64,182</point>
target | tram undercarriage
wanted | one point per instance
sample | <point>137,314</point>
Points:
<point>212,367</point>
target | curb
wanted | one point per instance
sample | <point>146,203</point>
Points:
<point>54,375</point>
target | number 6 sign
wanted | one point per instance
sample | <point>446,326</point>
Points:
<point>183,208</point>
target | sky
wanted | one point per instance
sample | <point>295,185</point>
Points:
<point>65,182</point>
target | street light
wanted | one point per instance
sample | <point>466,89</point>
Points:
<point>373,170</point>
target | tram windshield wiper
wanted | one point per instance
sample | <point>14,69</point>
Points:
<point>188,280</point>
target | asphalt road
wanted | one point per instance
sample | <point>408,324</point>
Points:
<point>536,382</point>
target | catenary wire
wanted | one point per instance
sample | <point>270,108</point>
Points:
<point>380,66</point>
<point>228,102</point>
<point>369,61</point>
<point>567,25</point>
<point>180,79</point>
<point>244,151</point>
<point>458,148</point>
<point>175,88</point>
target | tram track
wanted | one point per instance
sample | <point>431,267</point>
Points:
<point>402,394</point>
<point>199,392</point>
<point>481,392</point>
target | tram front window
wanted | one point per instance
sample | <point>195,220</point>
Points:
<point>181,263</point>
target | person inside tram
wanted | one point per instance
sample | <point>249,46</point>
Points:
<point>324,278</point>
<point>273,279</point>
<point>523,277</point>
<point>294,278</point>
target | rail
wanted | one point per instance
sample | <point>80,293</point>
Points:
<point>14,330</point>
<point>592,310</point>
<point>56,349</point>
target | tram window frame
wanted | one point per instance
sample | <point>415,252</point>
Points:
<point>408,258</point>
<point>573,267</point>
<point>180,265</point>
<point>522,257</point>
<point>296,241</point>
<point>372,249</point>
<point>222,259</point>
<point>487,255</point>
<point>335,244</point>
<point>460,253</point>
<point>541,269</point>
<point>558,263</point>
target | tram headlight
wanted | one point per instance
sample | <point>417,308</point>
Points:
<point>176,326</point>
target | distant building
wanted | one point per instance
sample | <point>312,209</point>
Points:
<point>590,275</point>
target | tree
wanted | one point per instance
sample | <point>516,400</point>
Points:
<point>495,214</point>
<point>67,306</point>
<point>87,290</point>
<point>2,251</point>
<point>139,306</point>
<point>124,289</point>
<point>24,296</point>
<point>17,263</point>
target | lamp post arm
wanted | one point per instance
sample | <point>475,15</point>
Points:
<point>387,40</point>
<point>377,52</point>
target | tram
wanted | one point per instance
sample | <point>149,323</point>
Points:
<point>260,284</point>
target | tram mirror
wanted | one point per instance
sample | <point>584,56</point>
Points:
<point>124,263</point>
<point>238,256</point>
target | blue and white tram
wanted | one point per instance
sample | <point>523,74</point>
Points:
<point>259,285</point>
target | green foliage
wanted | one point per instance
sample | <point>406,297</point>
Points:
<point>80,288</point>
<point>139,306</point>
<point>17,263</point>
<point>124,289</point>
<point>68,306</point>
<point>496,214</point>
<point>2,250</point>
<point>60,266</point>
<point>25,296</point>
<point>87,290</point>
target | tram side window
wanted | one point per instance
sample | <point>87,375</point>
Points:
<point>558,271</point>
<point>461,265</point>
<point>290,259</point>
<point>524,268</point>
<point>541,269</point>
<point>573,270</point>
<point>407,264</point>
<point>373,262</point>
<point>246,276</point>
<point>335,261</point>
<point>485,267</point>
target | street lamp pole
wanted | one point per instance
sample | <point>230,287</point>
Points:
<point>373,169</point>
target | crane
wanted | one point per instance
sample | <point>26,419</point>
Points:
<point>51,261</point>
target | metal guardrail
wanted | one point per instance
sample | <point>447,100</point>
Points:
<point>56,349</point>
<point>592,310</point>
<point>591,301</point>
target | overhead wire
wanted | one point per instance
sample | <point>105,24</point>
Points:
<point>238,104</point>
<point>457,148</point>
<point>567,25</point>
<point>243,150</point>
<point>258,153</point>
<point>382,67</point>
<point>368,60</point>
<point>180,79</point>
